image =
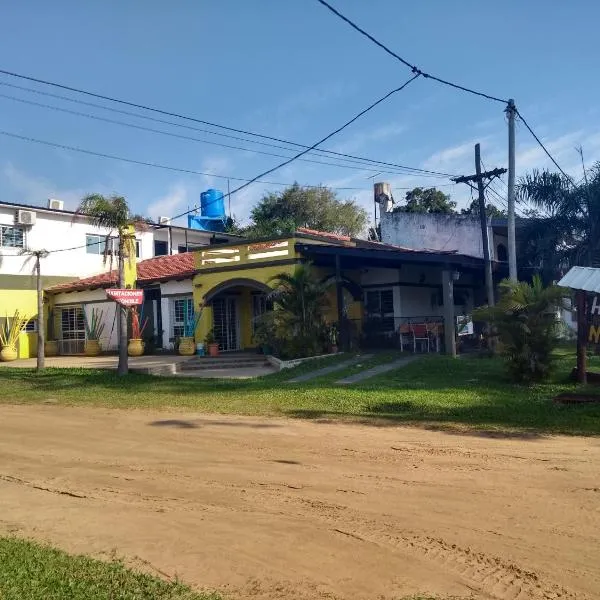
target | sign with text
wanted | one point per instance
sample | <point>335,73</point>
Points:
<point>126,297</point>
<point>593,336</point>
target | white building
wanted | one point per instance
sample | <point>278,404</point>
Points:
<point>81,246</point>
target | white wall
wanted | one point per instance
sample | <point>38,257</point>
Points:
<point>169,290</point>
<point>434,232</point>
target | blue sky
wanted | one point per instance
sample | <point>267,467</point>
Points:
<point>291,69</point>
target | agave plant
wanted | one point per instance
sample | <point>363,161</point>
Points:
<point>526,319</point>
<point>11,328</point>
<point>93,324</point>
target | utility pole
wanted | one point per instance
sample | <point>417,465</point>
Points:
<point>479,179</point>
<point>512,245</point>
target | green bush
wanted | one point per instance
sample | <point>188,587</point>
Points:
<point>526,324</point>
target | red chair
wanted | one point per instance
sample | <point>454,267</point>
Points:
<point>420,334</point>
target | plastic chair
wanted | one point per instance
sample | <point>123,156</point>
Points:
<point>404,331</point>
<point>420,334</point>
<point>435,331</point>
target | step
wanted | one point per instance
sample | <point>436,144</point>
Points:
<point>215,363</point>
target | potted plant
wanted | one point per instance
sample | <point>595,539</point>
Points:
<point>51,345</point>
<point>211,344</point>
<point>9,336</point>
<point>135,347</point>
<point>333,339</point>
<point>93,330</point>
<point>187,345</point>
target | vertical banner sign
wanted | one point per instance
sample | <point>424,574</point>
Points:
<point>593,320</point>
<point>126,297</point>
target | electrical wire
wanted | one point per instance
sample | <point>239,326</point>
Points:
<point>406,63</point>
<point>201,121</point>
<point>324,139</point>
<point>190,138</point>
<point>537,139</point>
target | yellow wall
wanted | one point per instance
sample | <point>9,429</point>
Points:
<point>130,262</point>
<point>25,301</point>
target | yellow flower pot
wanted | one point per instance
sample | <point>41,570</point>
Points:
<point>92,348</point>
<point>187,347</point>
<point>51,348</point>
<point>8,353</point>
<point>135,347</point>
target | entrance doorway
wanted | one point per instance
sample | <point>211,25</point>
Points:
<point>226,323</point>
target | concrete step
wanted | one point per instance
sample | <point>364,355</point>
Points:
<point>223,362</point>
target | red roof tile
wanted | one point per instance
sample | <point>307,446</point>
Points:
<point>154,269</point>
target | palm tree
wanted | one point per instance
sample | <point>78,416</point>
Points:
<point>113,213</point>
<point>568,232</point>
<point>302,296</point>
<point>37,271</point>
<point>526,320</point>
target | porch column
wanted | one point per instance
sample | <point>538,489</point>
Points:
<point>448,296</point>
<point>339,291</point>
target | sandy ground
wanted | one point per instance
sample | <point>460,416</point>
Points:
<point>278,509</point>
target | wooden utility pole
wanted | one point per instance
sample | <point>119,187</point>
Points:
<point>582,335</point>
<point>479,178</point>
<point>512,245</point>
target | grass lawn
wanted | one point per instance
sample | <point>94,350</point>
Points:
<point>433,391</point>
<point>31,571</point>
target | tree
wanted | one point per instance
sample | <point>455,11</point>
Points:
<point>568,231</point>
<point>38,255</point>
<point>427,200</point>
<point>311,207</point>
<point>490,210</point>
<point>113,213</point>
<point>296,326</point>
<point>526,320</point>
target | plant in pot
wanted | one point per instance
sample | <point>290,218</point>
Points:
<point>9,335</point>
<point>333,338</point>
<point>211,344</point>
<point>187,346</point>
<point>51,344</point>
<point>93,330</point>
<point>135,347</point>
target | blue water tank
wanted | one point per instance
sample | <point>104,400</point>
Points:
<point>212,204</point>
<point>206,223</point>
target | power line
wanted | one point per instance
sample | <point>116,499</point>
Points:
<point>324,139</point>
<point>537,139</point>
<point>201,121</point>
<point>195,139</point>
<point>406,63</point>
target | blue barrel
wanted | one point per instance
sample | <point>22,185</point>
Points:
<point>212,204</point>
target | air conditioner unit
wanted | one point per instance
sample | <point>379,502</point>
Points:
<point>164,220</point>
<point>55,204</point>
<point>25,217</point>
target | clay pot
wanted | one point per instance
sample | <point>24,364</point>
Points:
<point>135,347</point>
<point>8,353</point>
<point>187,347</point>
<point>213,349</point>
<point>51,348</point>
<point>92,348</point>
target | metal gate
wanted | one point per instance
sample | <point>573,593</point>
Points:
<point>72,330</point>
<point>226,323</point>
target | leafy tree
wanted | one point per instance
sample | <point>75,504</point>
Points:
<point>490,210</point>
<point>315,208</point>
<point>526,320</point>
<point>296,327</point>
<point>567,232</point>
<point>427,200</point>
<point>113,213</point>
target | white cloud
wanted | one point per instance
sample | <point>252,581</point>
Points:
<point>367,136</point>
<point>174,201</point>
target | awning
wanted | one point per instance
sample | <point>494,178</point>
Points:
<point>586,279</point>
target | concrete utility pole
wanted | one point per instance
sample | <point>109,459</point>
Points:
<point>512,245</point>
<point>479,179</point>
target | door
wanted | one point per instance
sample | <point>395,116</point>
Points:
<point>225,323</point>
<point>72,330</point>
<point>151,310</point>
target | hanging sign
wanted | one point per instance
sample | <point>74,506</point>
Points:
<point>126,297</point>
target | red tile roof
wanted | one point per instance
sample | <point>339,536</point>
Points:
<point>177,266</point>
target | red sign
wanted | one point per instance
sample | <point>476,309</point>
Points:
<point>126,297</point>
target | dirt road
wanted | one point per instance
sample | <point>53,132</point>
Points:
<point>283,509</point>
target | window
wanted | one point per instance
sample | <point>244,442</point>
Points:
<point>380,308</point>
<point>502,253</point>
<point>96,244</point>
<point>160,248</point>
<point>32,326</point>
<point>12,237</point>
<point>182,312</point>
<point>182,249</point>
